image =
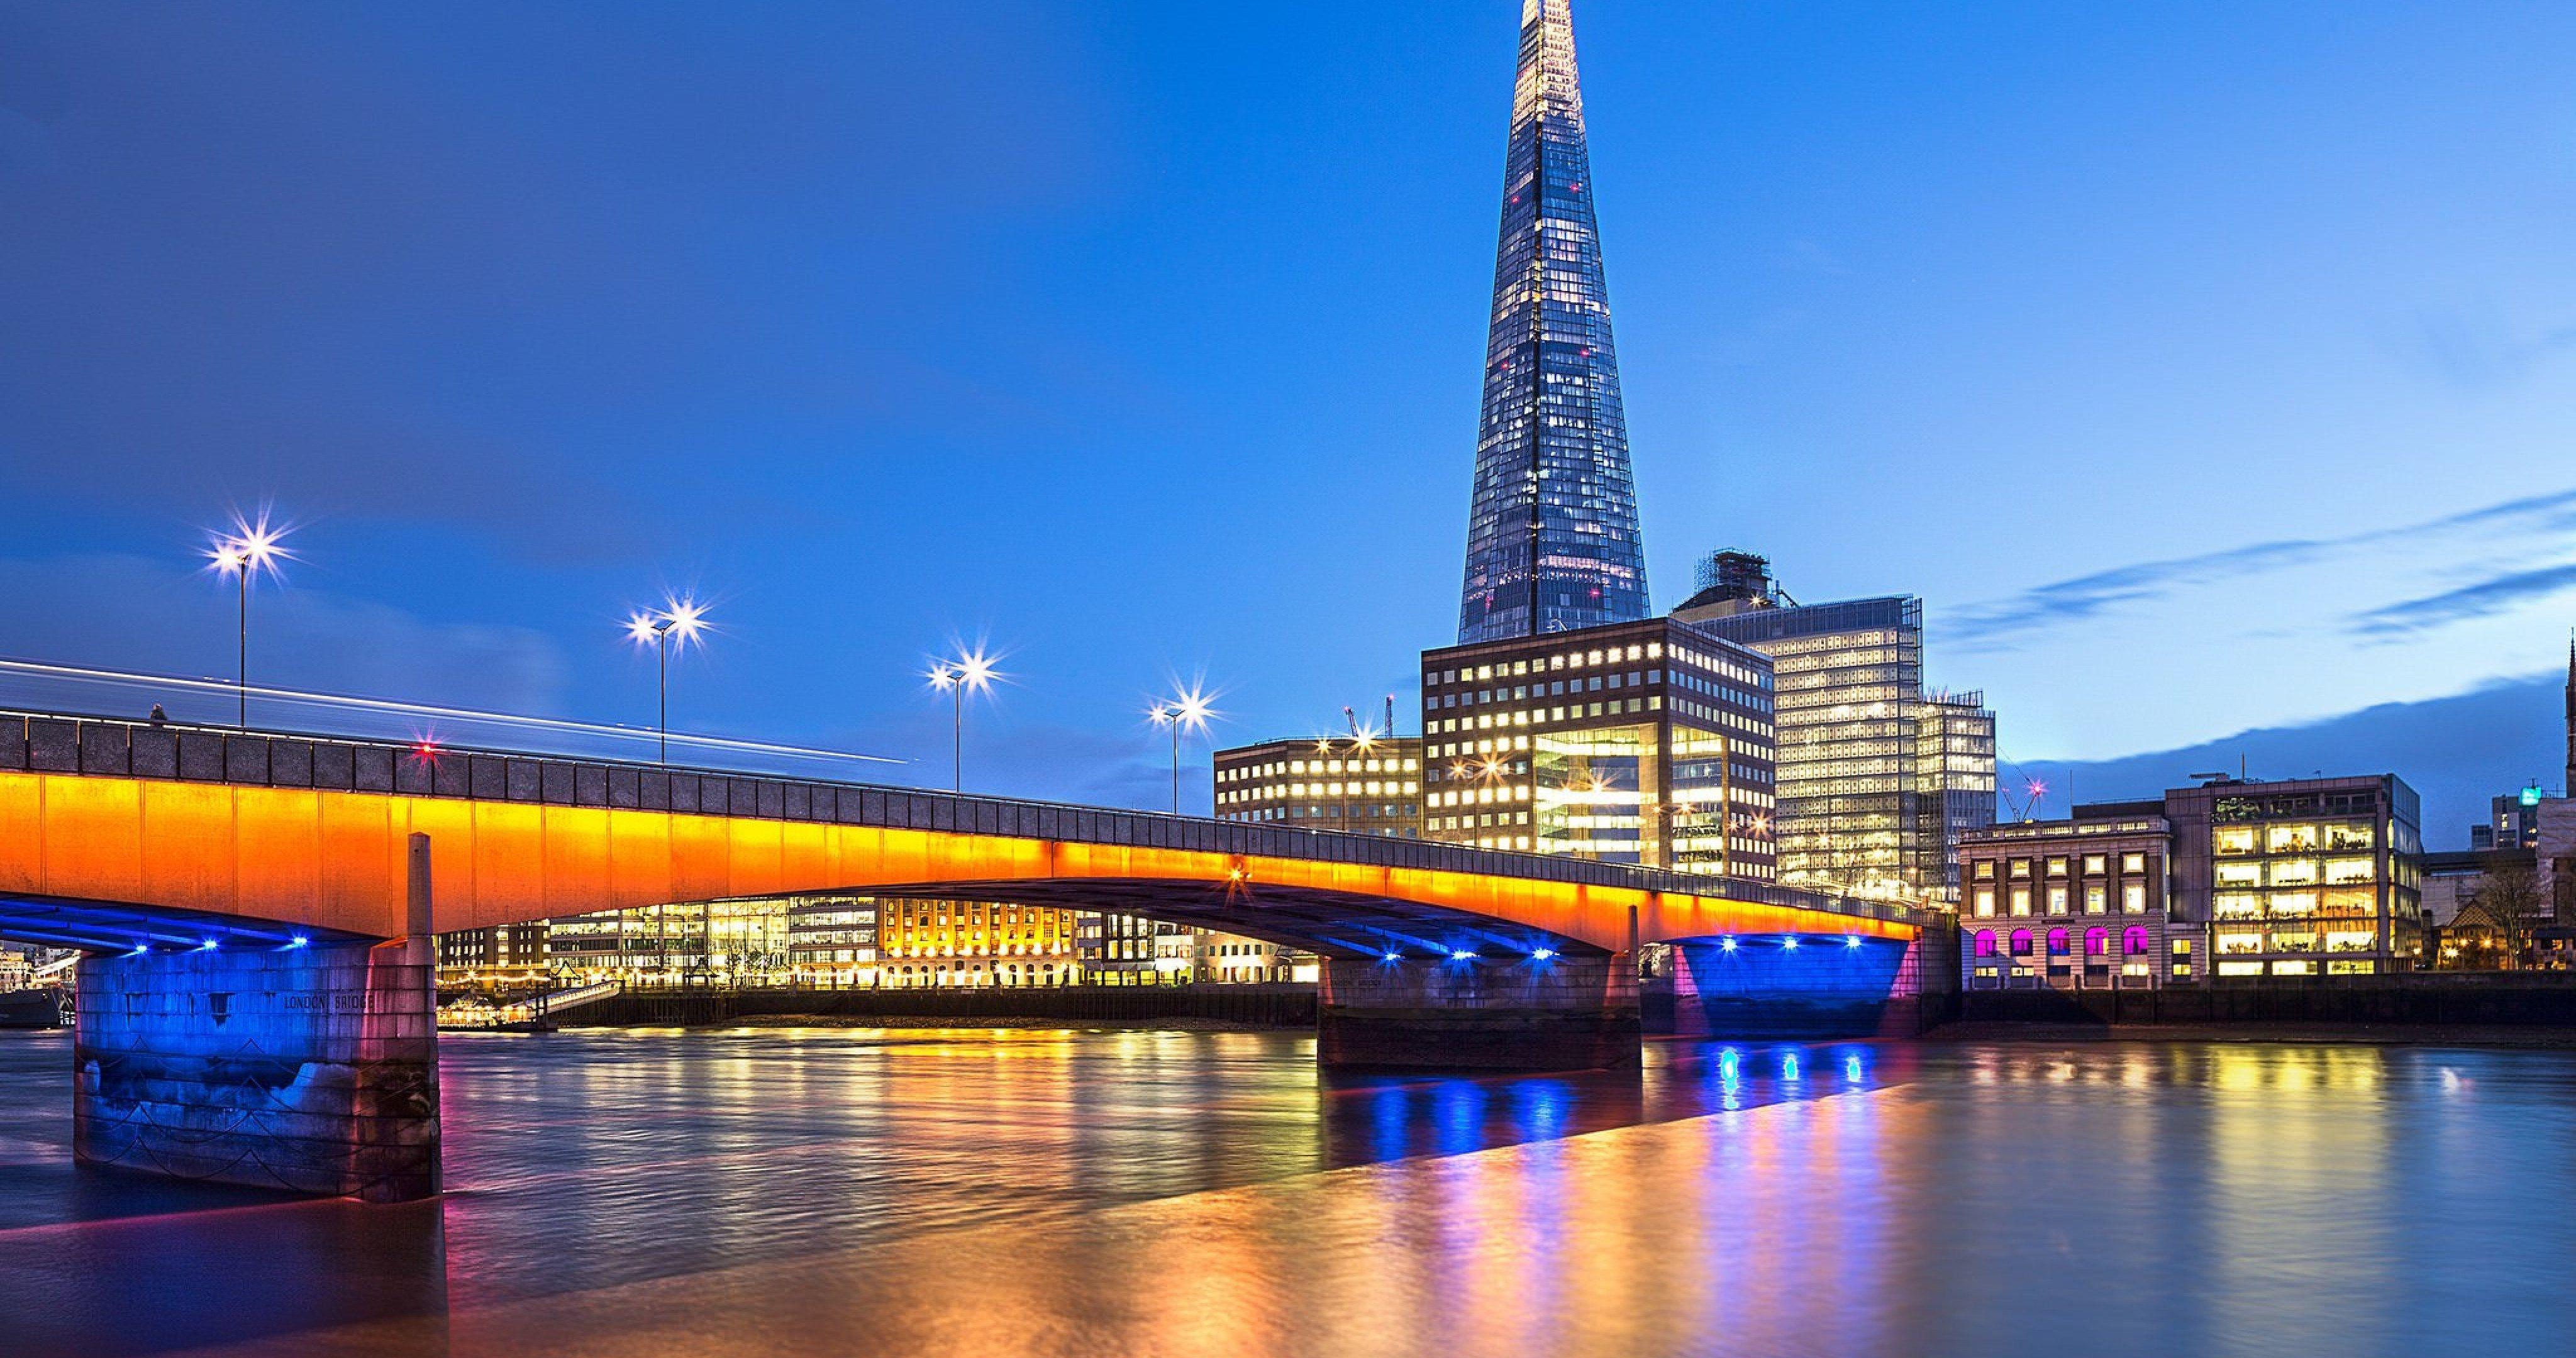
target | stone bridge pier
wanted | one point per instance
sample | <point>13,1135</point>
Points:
<point>1467,1014</point>
<point>310,1067</point>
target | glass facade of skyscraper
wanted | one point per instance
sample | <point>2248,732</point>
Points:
<point>1876,778</point>
<point>1552,540</point>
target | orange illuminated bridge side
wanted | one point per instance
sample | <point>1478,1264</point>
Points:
<point>334,860</point>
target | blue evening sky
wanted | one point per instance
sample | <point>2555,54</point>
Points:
<point>2206,367</point>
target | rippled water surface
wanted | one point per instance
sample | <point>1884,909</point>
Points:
<point>832,1192</point>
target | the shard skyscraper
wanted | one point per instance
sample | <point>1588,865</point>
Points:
<point>1552,539</point>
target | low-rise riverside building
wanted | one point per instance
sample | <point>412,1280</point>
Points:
<point>2234,879</point>
<point>2307,877</point>
<point>512,955</point>
<point>1118,949</point>
<point>832,940</point>
<point>2075,904</point>
<point>724,942</point>
<point>937,943</point>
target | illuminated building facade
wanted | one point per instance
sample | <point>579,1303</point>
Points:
<point>2309,877</point>
<point>1645,742</point>
<point>2229,880</point>
<point>514,954</point>
<point>1877,778</point>
<point>727,942</point>
<point>1552,541</point>
<point>1116,949</point>
<point>1361,786</point>
<point>933,943</point>
<point>1225,959</point>
<point>2077,904</point>
<point>832,940</point>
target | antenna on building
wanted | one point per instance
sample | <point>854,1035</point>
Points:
<point>1390,716</point>
<point>1352,720</point>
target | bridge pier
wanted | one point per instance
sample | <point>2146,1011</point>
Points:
<point>1777,986</point>
<point>1564,1013</point>
<point>308,1067</point>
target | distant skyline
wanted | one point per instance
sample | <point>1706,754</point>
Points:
<point>2206,369</point>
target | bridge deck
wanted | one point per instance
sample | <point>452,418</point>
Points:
<point>63,744</point>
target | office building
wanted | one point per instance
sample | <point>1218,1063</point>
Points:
<point>935,943</point>
<point>724,942</point>
<point>1225,959</point>
<point>2074,904</point>
<point>1877,778</point>
<point>1122,950</point>
<point>2513,822</point>
<point>1644,742</point>
<point>832,940</point>
<point>2306,877</point>
<point>515,954</point>
<point>2317,876</point>
<point>1552,540</point>
<point>1369,785</point>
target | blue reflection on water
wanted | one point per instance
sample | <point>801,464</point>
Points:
<point>1458,1111</point>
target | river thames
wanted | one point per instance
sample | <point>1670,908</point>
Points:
<point>997,1192</point>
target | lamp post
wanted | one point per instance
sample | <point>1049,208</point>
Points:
<point>677,622</point>
<point>247,550</point>
<point>1188,708</point>
<point>973,670</point>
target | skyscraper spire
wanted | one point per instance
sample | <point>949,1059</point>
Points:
<point>1552,535</point>
<point>2568,788</point>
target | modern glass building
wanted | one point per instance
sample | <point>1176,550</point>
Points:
<point>833,939</point>
<point>1552,539</point>
<point>720,942</point>
<point>1877,778</point>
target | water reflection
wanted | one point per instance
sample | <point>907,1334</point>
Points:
<point>1188,1193</point>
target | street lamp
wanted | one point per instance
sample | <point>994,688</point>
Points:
<point>249,549</point>
<point>972,671</point>
<point>1186,709</point>
<point>677,622</point>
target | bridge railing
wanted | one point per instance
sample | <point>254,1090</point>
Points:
<point>120,747</point>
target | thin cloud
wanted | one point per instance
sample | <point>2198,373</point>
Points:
<point>2456,751</point>
<point>2485,598</point>
<point>2086,596</point>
